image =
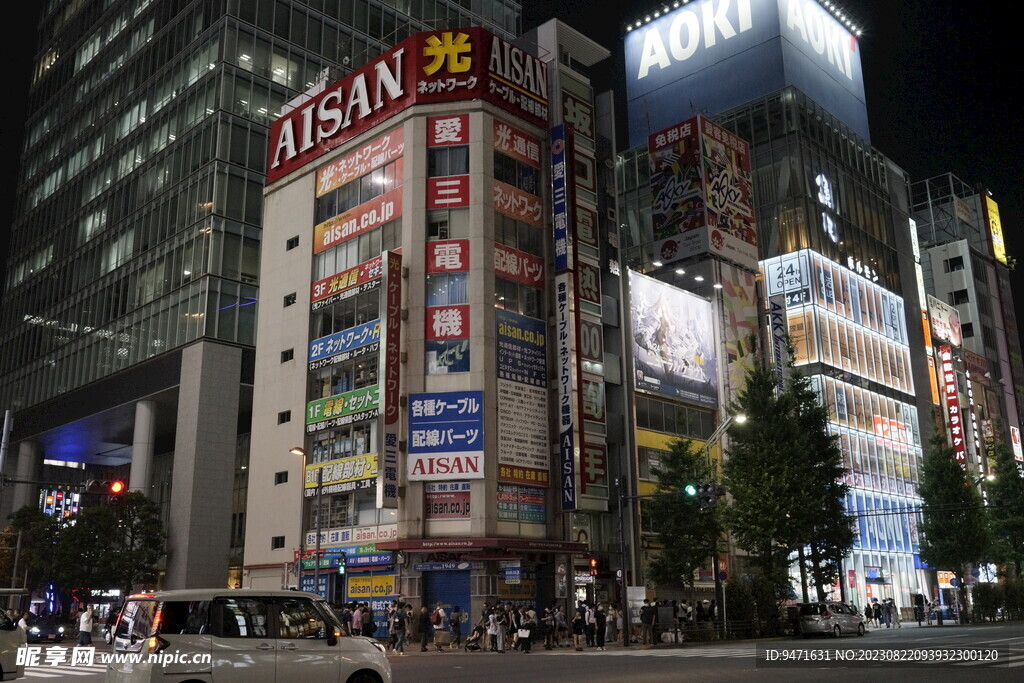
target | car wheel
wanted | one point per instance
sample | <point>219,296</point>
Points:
<point>364,677</point>
<point>860,629</point>
<point>836,631</point>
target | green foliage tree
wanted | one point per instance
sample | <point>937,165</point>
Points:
<point>38,558</point>
<point>138,545</point>
<point>85,550</point>
<point>1006,510</point>
<point>827,530</point>
<point>954,526</point>
<point>687,533</point>
<point>762,476</point>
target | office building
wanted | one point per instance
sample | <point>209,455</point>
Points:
<point>129,312</point>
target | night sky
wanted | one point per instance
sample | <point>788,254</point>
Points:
<point>940,77</point>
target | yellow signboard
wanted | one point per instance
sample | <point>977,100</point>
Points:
<point>342,475</point>
<point>364,588</point>
<point>995,228</point>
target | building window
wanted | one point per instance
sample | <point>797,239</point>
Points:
<point>280,478</point>
<point>960,296</point>
<point>447,224</point>
<point>276,542</point>
<point>284,416</point>
<point>967,329</point>
<point>291,243</point>
<point>515,173</point>
<point>290,299</point>
<point>287,355</point>
<point>444,161</point>
<point>953,264</point>
<point>447,289</point>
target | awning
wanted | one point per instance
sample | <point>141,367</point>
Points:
<point>470,544</point>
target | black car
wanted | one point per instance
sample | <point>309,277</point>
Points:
<point>44,630</point>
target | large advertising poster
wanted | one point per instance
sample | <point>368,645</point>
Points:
<point>995,230</point>
<point>523,446</point>
<point>673,342</point>
<point>702,193</point>
<point>446,436</point>
<point>739,326</point>
<point>945,322</point>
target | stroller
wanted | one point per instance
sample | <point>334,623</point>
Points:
<point>473,642</point>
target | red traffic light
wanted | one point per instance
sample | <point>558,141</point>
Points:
<point>117,486</point>
<point>593,566</point>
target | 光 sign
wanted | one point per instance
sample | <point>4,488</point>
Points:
<point>712,55</point>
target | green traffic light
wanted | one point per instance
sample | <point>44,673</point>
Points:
<point>691,490</point>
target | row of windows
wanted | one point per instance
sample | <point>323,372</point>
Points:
<point>355,508</point>
<point>446,161</point>
<point>673,418</point>
<point>358,191</point>
<point>355,373</point>
<point>821,337</point>
<point>856,408</point>
<point>346,313</point>
<point>344,442</point>
<point>878,463</point>
<point>513,172</point>
<point>518,234</point>
<point>210,307</point>
<point>518,298</point>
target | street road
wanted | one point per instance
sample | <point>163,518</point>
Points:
<point>735,661</point>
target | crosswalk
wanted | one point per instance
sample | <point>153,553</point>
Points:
<point>63,672</point>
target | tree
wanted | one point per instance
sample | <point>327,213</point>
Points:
<point>827,532</point>
<point>688,534</point>
<point>85,550</point>
<point>138,545</point>
<point>1006,510</point>
<point>954,526</point>
<point>763,478</point>
<point>40,540</point>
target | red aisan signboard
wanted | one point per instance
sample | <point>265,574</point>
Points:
<point>358,162</point>
<point>431,66</point>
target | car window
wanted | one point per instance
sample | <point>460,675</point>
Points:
<point>299,618</point>
<point>183,617</point>
<point>240,618</point>
<point>811,609</point>
<point>135,624</point>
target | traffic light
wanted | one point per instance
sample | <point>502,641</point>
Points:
<point>708,495</point>
<point>593,566</point>
<point>690,489</point>
<point>106,487</point>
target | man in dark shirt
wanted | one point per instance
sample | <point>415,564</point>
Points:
<point>648,613</point>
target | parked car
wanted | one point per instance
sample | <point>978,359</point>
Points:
<point>241,635</point>
<point>44,630</point>
<point>828,618</point>
<point>11,639</point>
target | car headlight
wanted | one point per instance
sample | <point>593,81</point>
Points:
<point>60,629</point>
<point>34,629</point>
<point>380,647</point>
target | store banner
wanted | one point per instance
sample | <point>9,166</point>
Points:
<point>348,283</point>
<point>390,391</point>
<point>358,220</point>
<point>448,256</point>
<point>514,203</point>
<point>343,409</point>
<point>345,474</point>
<point>447,322</point>
<point>448,192</point>
<point>452,129</point>
<point>518,266</point>
<point>515,143</point>
<point>954,416</point>
<point>341,346</point>
<point>446,436</point>
<point>447,500</point>
<point>366,158</point>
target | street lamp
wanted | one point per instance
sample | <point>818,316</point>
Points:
<point>298,450</point>
<point>714,438</point>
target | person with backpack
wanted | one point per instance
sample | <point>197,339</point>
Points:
<point>437,623</point>
<point>398,629</point>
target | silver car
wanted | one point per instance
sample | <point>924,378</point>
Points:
<point>828,618</point>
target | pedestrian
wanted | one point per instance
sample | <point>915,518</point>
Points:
<point>501,626</point>
<point>647,615</point>
<point>512,626</point>
<point>712,614</point>
<point>456,622</point>
<point>399,625</point>
<point>492,629</point>
<point>369,626</point>
<point>562,634</point>
<point>610,636</point>
<point>895,611</point>
<point>437,623</point>
<point>527,624</point>
<point>622,623</point>
<point>357,620</point>
<point>579,628</point>
<point>484,623</point>
<point>700,612</point>
<point>591,622</point>
<point>426,628</point>
<point>601,624</point>
<point>887,614</point>
<point>919,608</point>
<point>23,622</point>
<point>876,612</point>
<point>85,627</point>
<point>548,628</point>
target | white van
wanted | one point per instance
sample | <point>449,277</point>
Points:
<point>218,636</point>
<point>12,637</point>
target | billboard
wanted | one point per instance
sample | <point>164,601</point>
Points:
<point>446,436</point>
<point>702,193</point>
<point>390,388</point>
<point>427,67</point>
<point>945,322</point>
<point>346,474</point>
<point>995,229</point>
<point>713,55</point>
<point>343,409</point>
<point>954,415</point>
<point>344,345</point>
<point>673,342</point>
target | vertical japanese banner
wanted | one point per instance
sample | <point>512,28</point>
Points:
<point>956,423</point>
<point>390,372</point>
<point>565,323</point>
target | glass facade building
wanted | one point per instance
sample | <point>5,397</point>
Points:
<point>135,254</point>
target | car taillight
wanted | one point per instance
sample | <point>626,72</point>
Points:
<point>826,613</point>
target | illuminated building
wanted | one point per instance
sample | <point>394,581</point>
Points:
<point>129,312</point>
<point>834,244</point>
